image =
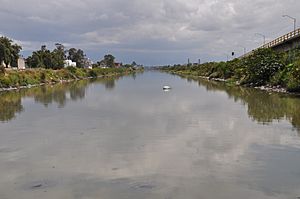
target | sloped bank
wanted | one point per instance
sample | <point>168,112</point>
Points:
<point>12,79</point>
<point>264,69</point>
<point>269,88</point>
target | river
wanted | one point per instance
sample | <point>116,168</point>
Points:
<point>126,138</point>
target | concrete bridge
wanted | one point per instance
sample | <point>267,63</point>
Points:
<point>286,42</point>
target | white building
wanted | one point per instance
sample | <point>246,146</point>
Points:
<point>88,63</point>
<point>21,64</point>
<point>68,63</point>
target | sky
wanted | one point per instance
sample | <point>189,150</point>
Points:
<point>150,32</point>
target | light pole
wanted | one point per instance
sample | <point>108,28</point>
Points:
<point>294,19</point>
<point>262,36</point>
<point>227,56</point>
<point>244,48</point>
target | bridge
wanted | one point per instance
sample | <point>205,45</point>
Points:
<point>286,42</point>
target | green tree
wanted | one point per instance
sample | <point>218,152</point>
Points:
<point>2,53</point>
<point>9,52</point>
<point>109,61</point>
<point>77,56</point>
<point>133,63</point>
<point>58,56</point>
<point>40,59</point>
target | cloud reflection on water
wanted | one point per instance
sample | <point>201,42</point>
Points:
<point>138,142</point>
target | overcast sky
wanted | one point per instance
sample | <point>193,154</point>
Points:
<point>151,32</point>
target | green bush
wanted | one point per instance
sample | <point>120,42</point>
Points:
<point>92,73</point>
<point>293,83</point>
<point>72,69</point>
<point>14,79</point>
<point>261,66</point>
<point>5,82</point>
<point>32,77</point>
<point>43,77</point>
<point>81,73</point>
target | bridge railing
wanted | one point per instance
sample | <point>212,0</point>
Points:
<point>279,40</point>
<point>282,39</point>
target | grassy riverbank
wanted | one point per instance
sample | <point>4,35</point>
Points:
<point>30,77</point>
<point>263,68</point>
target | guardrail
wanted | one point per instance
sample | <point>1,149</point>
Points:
<point>279,40</point>
<point>282,39</point>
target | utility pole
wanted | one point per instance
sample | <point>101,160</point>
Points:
<point>244,48</point>
<point>294,19</point>
<point>227,56</point>
<point>264,37</point>
<point>244,51</point>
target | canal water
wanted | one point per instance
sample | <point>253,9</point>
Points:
<point>127,138</point>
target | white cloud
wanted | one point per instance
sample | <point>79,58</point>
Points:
<point>212,27</point>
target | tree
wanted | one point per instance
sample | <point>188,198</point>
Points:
<point>109,61</point>
<point>43,48</point>
<point>2,53</point>
<point>6,50</point>
<point>58,57</point>
<point>127,66</point>
<point>15,54</point>
<point>41,58</point>
<point>44,58</point>
<point>133,63</point>
<point>77,56</point>
<point>9,52</point>
<point>72,53</point>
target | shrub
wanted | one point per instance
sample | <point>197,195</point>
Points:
<point>81,73</point>
<point>72,69</point>
<point>261,66</point>
<point>43,77</point>
<point>92,73</point>
<point>5,82</point>
<point>293,83</point>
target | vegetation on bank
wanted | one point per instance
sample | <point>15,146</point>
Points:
<point>13,78</point>
<point>58,65</point>
<point>262,67</point>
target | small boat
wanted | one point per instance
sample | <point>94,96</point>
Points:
<point>166,88</point>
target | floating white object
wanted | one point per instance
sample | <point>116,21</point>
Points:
<point>166,87</point>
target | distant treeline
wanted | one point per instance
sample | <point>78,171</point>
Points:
<point>45,58</point>
<point>47,67</point>
<point>262,67</point>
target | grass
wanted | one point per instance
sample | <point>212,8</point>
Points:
<point>14,78</point>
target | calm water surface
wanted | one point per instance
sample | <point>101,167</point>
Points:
<point>126,138</point>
